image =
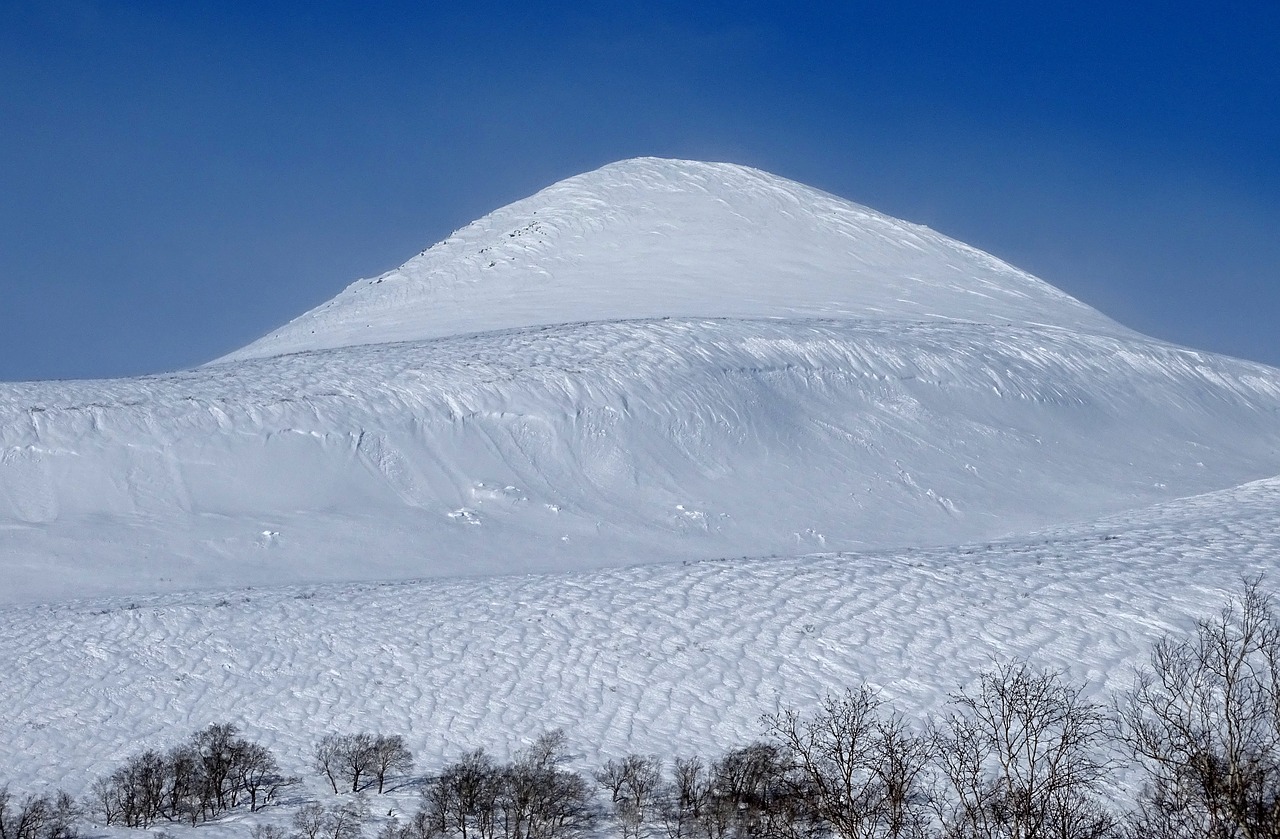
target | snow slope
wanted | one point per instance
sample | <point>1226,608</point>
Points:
<point>665,659</point>
<point>683,361</point>
<point>604,444</point>
<point>657,238</point>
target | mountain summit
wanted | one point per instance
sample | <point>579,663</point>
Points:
<point>649,238</point>
<point>657,361</point>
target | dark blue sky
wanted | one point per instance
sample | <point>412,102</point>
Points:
<point>177,179</point>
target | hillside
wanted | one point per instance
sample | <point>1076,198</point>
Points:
<point>672,659</point>
<point>650,238</point>
<point>685,361</point>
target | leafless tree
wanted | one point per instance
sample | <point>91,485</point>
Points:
<point>343,821</point>
<point>217,748</point>
<point>1022,756</point>
<point>346,820</point>
<point>862,769</point>
<point>187,790</point>
<point>632,784</point>
<point>37,816</point>
<point>1203,720</point>
<point>328,759</point>
<point>462,800</point>
<point>758,788</point>
<point>749,792</point>
<point>539,798</point>
<point>683,800</point>
<point>213,771</point>
<point>105,799</point>
<point>268,831</point>
<point>308,820</point>
<point>356,758</point>
<point>390,757</point>
<point>350,758</point>
<point>256,774</point>
<point>420,826</point>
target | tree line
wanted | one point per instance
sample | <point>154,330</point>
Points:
<point>1021,754</point>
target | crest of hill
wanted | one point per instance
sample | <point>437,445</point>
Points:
<point>649,238</point>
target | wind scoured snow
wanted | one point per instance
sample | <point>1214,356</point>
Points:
<point>587,445</point>
<point>667,238</point>
<point>551,428</point>
<point>657,361</point>
<point>671,659</point>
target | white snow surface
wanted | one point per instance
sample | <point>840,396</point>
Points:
<point>849,382</point>
<point>466,502</point>
<point>587,445</point>
<point>651,238</point>
<point>667,659</point>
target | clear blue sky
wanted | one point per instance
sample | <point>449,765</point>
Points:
<point>178,178</point>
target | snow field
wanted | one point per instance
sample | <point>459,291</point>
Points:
<point>590,445</point>
<point>671,659</point>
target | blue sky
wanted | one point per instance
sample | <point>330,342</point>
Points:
<point>178,178</point>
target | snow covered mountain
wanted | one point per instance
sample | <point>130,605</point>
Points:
<point>656,361</point>
<point>654,238</point>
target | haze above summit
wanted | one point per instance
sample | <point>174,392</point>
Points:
<point>180,180</point>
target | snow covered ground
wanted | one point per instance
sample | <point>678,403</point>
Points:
<point>501,489</point>
<point>669,659</point>
<point>589,445</point>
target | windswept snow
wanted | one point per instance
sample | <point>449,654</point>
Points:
<point>657,361</point>
<point>493,491</point>
<point>656,238</point>
<point>664,659</point>
<point>585,445</point>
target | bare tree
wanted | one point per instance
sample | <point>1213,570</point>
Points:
<point>539,798</point>
<point>462,800</point>
<point>756,787</point>
<point>748,792</point>
<point>1203,720</point>
<point>187,790</point>
<point>346,821</point>
<point>328,759</point>
<point>390,756</point>
<point>268,831</point>
<point>1021,756</point>
<point>256,774</point>
<point>216,748</point>
<point>421,826</point>
<point>632,784</point>
<point>105,798</point>
<point>213,771</point>
<point>350,758</point>
<point>862,769</point>
<point>683,800</point>
<point>37,816</point>
<point>308,820</point>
